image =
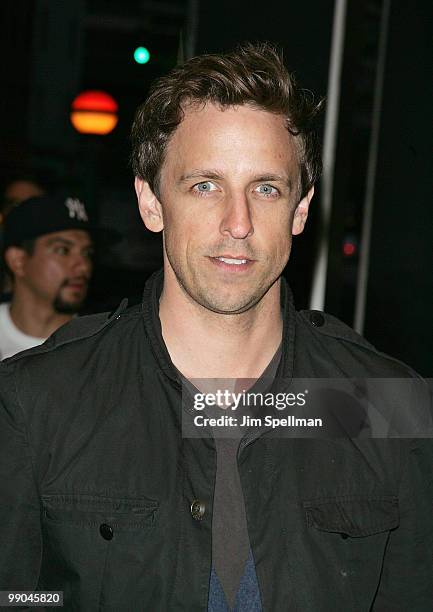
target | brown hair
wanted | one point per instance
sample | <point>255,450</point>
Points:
<point>253,74</point>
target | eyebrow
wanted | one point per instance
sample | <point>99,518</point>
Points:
<point>66,242</point>
<point>214,175</point>
<point>202,173</point>
<point>278,178</point>
<point>62,240</point>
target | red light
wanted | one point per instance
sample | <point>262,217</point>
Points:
<point>94,112</point>
<point>94,100</point>
<point>349,249</point>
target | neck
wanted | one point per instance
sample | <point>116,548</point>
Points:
<point>35,316</point>
<point>204,344</point>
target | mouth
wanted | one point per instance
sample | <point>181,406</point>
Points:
<point>232,263</point>
<point>76,284</point>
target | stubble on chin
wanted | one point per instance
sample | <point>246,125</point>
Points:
<point>203,289</point>
<point>62,306</point>
<point>212,296</point>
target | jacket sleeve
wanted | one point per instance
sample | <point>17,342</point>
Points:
<point>20,524</point>
<point>407,577</point>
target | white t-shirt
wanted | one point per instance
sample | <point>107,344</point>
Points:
<point>13,340</point>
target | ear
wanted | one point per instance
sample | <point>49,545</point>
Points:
<point>149,206</point>
<point>301,213</point>
<point>15,259</point>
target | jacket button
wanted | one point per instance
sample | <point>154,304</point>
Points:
<point>106,531</point>
<point>197,510</point>
<point>317,319</point>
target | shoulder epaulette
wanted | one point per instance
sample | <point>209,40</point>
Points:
<point>330,326</point>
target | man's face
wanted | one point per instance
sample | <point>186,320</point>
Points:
<point>229,190</point>
<point>59,269</point>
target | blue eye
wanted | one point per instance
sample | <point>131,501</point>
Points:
<point>204,187</point>
<point>267,190</point>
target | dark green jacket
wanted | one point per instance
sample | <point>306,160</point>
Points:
<point>97,483</point>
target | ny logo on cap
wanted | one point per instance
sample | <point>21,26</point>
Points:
<point>76,209</point>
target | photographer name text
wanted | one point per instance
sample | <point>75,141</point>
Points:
<point>248,421</point>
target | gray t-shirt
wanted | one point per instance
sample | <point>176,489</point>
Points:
<point>230,541</point>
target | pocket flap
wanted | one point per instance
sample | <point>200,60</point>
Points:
<point>93,503</point>
<point>90,510</point>
<point>353,516</point>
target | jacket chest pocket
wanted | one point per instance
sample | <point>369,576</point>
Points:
<point>352,533</point>
<point>352,516</point>
<point>96,548</point>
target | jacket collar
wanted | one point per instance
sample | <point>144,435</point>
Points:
<point>150,309</point>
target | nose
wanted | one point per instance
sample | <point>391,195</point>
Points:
<point>81,265</point>
<point>237,221</point>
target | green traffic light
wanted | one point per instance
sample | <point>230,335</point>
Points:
<point>141,55</point>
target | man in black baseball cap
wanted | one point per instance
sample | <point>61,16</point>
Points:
<point>48,247</point>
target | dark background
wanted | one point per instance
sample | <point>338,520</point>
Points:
<point>53,50</point>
